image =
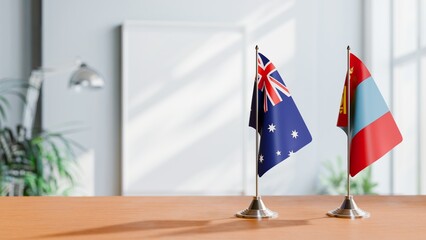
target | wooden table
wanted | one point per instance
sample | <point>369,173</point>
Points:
<point>300,217</point>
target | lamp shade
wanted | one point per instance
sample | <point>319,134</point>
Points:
<point>86,77</point>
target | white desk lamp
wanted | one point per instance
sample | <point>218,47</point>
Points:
<point>82,77</point>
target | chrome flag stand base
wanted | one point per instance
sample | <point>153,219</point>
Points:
<point>257,209</point>
<point>349,209</point>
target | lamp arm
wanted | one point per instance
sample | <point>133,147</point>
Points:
<point>48,71</point>
<point>32,97</point>
<point>33,93</point>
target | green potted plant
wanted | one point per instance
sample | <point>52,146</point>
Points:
<point>333,180</point>
<point>32,165</point>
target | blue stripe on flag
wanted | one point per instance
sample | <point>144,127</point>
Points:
<point>369,105</point>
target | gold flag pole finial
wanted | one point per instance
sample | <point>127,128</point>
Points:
<point>257,208</point>
<point>348,209</point>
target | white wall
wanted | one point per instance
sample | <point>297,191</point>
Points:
<point>15,47</point>
<point>306,39</point>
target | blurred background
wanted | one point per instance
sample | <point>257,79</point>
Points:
<point>172,116</point>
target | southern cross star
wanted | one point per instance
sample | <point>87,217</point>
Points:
<point>272,127</point>
<point>294,134</point>
<point>261,159</point>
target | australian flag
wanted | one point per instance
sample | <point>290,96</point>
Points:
<point>281,127</point>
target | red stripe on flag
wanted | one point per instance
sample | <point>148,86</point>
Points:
<point>359,73</point>
<point>374,141</point>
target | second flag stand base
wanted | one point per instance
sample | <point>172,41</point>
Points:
<point>349,209</point>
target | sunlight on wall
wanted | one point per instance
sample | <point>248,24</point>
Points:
<point>406,115</point>
<point>201,55</point>
<point>283,38</point>
<point>405,33</point>
<point>423,128</point>
<point>423,24</point>
<point>266,13</point>
<point>86,174</point>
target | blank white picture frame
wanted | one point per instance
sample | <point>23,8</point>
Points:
<point>183,109</point>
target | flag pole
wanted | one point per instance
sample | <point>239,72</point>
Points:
<point>349,121</point>
<point>257,123</point>
<point>348,209</point>
<point>257,208</point>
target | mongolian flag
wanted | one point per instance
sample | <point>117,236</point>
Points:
<point>373,130</point>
